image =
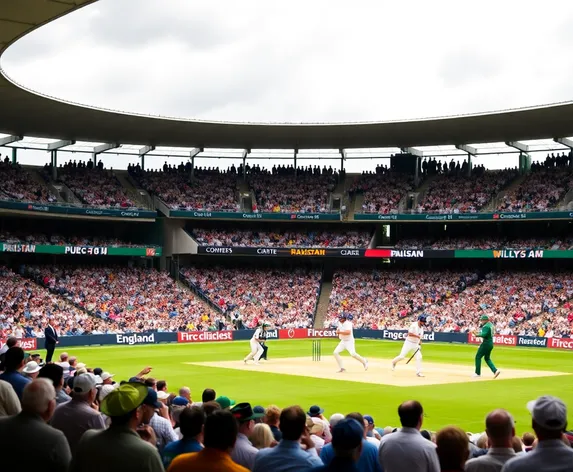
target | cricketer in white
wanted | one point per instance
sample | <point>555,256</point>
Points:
<point>256,348</point>
<point>413,342</point>
<point>346,336</point>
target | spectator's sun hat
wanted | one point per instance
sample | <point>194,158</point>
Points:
<point>162,395</point>
<point>122,400</point>
<point>106,375</point>
<point>549,412</point>
<point>369,419</point>
<point>225,402</point>
<point>98,371</point>
<point>83,383</point>
<point>315,410</point>
<point>243,412</point>
<point>347,434</point>
<point>31,368</point>
<point>180,401</point>
<point>99,381</point>
<point>259,409</point>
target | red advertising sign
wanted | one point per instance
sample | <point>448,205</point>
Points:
<point>28,344</point>
<point>303,333</point>
<point>204,336</point>
<point>561,343</point>
<point>498,339</point>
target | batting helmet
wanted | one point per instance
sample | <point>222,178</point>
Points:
<point>422,319</point>
<point>342,316</point>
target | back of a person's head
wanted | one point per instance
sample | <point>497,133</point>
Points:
<point>191,421</point>
<point>208,395</point>
<point>13,358</point>
<point>528,439</point>
<point>272,414</point>
<point>452,448</point>
<point>499,426</point>
<point>410,413</point>
<point>262,436</point>
<point>292,423</point>
<point>220,431</point>
<point>53,372</point>
<point>37,396</point>
<point>210,407</point>
<point>161,384</point>
<point>517,444</point>
<point>11,342</point>
<point>358,417</point>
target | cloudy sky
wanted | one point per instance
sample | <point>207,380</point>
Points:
<point>303,61</point>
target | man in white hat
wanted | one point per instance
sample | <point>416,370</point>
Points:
<point>31,370</point>
<point>549,421</point>
<point>77,416</point>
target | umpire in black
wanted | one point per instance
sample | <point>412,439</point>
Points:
<point>51,336</point>
<point>263,337</point>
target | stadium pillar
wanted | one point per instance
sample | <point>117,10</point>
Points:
<point>54,155</point>
<point>246,152</point>
<point>94,158</point>
<point>14,156</point>
<point>342,159</point>
<point>470,165</point>
<point>295,154</point>
<point>417,171</point>
<point>192,168</point>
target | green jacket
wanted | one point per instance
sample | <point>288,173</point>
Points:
<point>487,332</point>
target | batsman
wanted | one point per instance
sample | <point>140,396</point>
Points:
<point>484,351</point>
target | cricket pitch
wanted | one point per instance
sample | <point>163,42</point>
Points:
<point>379,371</point>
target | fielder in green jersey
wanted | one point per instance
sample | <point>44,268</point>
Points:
<point>484,351</point>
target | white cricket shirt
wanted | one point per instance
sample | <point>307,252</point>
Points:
<point>346,326</point>
<point>415,333</point>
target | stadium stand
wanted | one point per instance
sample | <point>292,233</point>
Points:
<point>285,298</point>
<point>281,238</point>
<point>383,190</point>
<point>16,183</point>
<point>486,242</point>
<point>68,240</point>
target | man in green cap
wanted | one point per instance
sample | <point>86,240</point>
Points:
<point>484,351</point>
<point>120,448</point>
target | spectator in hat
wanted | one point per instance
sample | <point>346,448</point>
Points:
<point>500,430</point>
<point>368,460</point>
<point>347,443</point>
<point>225,402</point>
<point>244,453</point>
<point>55,373</point>
<point>13,364</point>
<point>452,448</point>
<point>50,450</point>
<point>372,436</point>
<point>9,401</point>
<point>191,422</point>
<point>260,411</point>
<point>316,430</point>
<point>162,427</point>
<point>406,449</point>
<point>77,416</point>
<point>316,413</point>
<point>288,456</point>
<point>262,436</point>
<point>272,418</point>
<point>220,435</point>
<point>119,448</point>
<point>549,421</point>
<point>31,370</point>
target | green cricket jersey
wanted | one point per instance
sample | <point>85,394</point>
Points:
<point>487,331</point>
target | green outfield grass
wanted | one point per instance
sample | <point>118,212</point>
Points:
<point>463,404</point>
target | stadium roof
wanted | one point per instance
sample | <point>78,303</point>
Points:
<point>28,113</point>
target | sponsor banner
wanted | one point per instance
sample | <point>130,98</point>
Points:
<point>498,339</point>
<point>28,344</point>
<point>545,215</point>
<point>204,336</point>
<point>279,252</point>
<point>409,253</point>
<point>531,341</point>
<point>135,338</point>
<point>71,210</point>
<point>228,215</point>
<point>303,333</point>
<point>560,343</point>
<point>81,250</point>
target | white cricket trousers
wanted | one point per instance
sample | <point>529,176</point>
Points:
<point>256,351</point>
<point>348,346</point>
<point>407,349</point>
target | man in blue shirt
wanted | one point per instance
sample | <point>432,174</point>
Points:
<point>368,461</point>
<point>347,439</point>
<point>191,423</point>
<point>288,455</point>
<point>13,363</point>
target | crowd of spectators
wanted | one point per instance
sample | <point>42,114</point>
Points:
<point>82,418</point>
<point>205,190</point>
<point>283,298</point>
<point>16,183</point>
<point>382,190</point>
<point>382,299</point>
<point>25,308</point>
<point>488,242</point>
<point>281,238</point>
<point>70,240</point>
<point>128,299</point>
<point>458,193</point>
<point>541,189</point>
<point>94,186</point>
<point>283,191</point>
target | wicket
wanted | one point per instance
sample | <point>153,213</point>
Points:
<point>316,349</point>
